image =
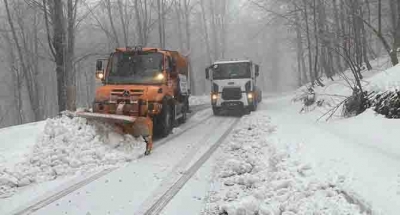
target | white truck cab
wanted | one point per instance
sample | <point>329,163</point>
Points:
<point>234,85</point>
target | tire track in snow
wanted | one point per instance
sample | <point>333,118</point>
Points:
<point>58,195</point>
<point>48,199</point>
<point>353,199</point>
<point>161,202</point>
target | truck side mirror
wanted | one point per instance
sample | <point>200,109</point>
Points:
<point>173,64</point>
<point>99,65</point>
<point>207,74</point>
<point>99,70</point>
<point>257,70</point>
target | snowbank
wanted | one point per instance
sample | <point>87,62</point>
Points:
<point>199,100</point>
<point>381,78</point>
<point>388,80</point>
<point>69,146</point>
<point>258,175</point>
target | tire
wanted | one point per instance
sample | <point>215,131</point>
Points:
<point>253,107</point>
<point>216,111</point>
<point>246,111</point>
<point>165,119</point>
<point>184,117</point>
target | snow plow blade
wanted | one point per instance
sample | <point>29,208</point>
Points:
<point>107,117</point>
<point>136,126</point>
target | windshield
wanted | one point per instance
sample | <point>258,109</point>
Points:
<point>231,70</point>
<point>131,68</point>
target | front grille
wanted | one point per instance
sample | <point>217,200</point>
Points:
<point>120,92</point>
<point>111,108</point>
<point>126,96</point>
<point>231,93</point>
<point>232,105</point>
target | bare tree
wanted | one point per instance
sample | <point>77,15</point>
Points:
<point>161,22</point>
<point>28,77</point>
<point>205,30</point>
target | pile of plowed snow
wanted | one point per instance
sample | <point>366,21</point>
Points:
<point>69,146</point>
<point>256,175</point>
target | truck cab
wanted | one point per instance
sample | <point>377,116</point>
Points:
<point>234,85</point>
<point>140,82</point>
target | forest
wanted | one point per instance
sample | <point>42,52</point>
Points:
<point>48,48</point>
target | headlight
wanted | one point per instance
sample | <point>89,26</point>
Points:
<point>214,97</point>
<point>160,77</point>
<point>250,96</point>
<point>99,75</point>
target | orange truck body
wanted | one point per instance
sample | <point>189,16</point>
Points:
<point>138,107</point>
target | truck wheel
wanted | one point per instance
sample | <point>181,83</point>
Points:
<point>216,111</point>
<point>246,111</point>
<point>165,120</point>
<point>183,118</point>
<point>253,106</point>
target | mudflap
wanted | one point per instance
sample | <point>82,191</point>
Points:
<point>143,126</point>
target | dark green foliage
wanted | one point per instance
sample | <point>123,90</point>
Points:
<point>387,104</point>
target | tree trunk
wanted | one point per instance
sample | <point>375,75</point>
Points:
<point>224,26</point>
<point>139,25</point>
<point>205,30</point>
<point>70,50</point>
<point>161,23</point>
<point>59,48</point>
<point>316,72</point>
<point>123,22</point>
<point>337,36</point>
<point>16,82</point>
<point>310,67</point>
<point>364,43</point>
<point>36,64</point>
<point>302,77</point>
<point>178,11</point>
<point>111,19</point>
<point>27,75</point>
<point>396,42</point>
<point>213,29</point>
<point>187,13</point>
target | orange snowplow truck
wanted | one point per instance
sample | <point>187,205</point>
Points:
<point>145,92</point>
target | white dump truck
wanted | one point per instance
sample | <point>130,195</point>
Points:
<point>234,85</point>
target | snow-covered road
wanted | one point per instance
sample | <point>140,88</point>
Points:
<point>138,186</point>
<point>358,150</point>
<point>354,169</point>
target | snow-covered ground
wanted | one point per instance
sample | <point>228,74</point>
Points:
<point>382,77</point>
<point>58,148</point>
<point>132,189</point>
<point>276,161</point>
<point>199,100</point>
<point>62,152</point>
<point>258,174</point>
<point>18,140</point>
<point>68,147</point>
<point>349,148</point>
<point>282,162</point>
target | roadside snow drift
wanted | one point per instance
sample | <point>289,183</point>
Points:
<point>382,83</point>
<point>69,146</point>
<point>258,175</point>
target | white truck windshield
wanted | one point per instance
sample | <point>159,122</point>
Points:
<point>231,71</point>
